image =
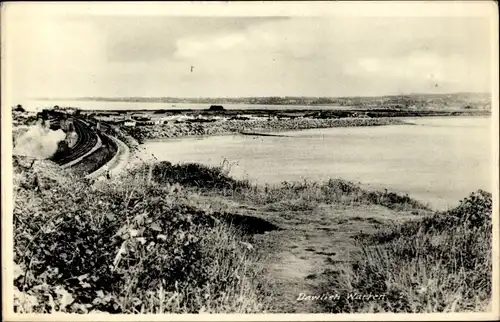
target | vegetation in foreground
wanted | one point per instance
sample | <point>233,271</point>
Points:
<point>286,195</point>
<point>148,244</point>
<point>125,247</point>
<point>440,263</point>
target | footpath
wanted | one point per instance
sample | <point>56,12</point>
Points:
<point>116,164</point>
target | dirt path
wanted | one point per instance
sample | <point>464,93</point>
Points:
<point>308,244</point>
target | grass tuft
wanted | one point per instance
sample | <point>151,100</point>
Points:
<point>126,247</point>
<point>440,263</point>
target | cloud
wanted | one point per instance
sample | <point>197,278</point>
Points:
<point>333,57</point>
<point>234,56</point>
<point>132,39</point>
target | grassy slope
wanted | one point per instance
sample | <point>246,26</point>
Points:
<point>126,247</point>
<point>440,263</point>
<point>317,248</point>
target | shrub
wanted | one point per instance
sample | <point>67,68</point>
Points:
<point>19,108</point>
<point>196,175</point>
<point>216,108</point>
<point>437,264</point>
<point>126,247</point>
<point>306,195</point>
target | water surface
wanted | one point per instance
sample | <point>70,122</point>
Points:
<point>116,106</point>
<point>438,160</point>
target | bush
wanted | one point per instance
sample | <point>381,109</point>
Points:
<point>440,263</point>
<point>197,175</point>
<point>306,195</point>
<point>216,108</point>
<point>126,247</point>
<point>19,108</point>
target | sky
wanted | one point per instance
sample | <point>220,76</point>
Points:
<point>83,54</point>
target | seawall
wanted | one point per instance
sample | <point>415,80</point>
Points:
<point>181,129</point>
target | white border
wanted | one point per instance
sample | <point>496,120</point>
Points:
<point>372,8</point>
<point>261,8</point>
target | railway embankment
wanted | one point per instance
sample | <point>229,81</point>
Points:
<point>86,154</point>
<point>117,162</point>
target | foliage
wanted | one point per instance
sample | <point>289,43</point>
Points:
<point>439,263</point>
<point>289,195</point>
<point>126,247</point>
<point>197,175</point>
<point>306,195</point>
<point>148,244</point>
<point>19,108</point>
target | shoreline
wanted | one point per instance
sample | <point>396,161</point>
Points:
<point>403,120</point>
<point>233,127</point>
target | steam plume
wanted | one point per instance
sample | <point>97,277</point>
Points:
<point>38,142</point>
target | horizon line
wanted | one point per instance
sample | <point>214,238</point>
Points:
<point>255,96</point>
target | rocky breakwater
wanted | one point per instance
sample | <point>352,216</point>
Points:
<point>181,129</point>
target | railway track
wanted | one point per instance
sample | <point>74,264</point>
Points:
<point>87,140</point>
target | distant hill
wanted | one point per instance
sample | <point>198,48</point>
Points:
<point>452,100</point>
